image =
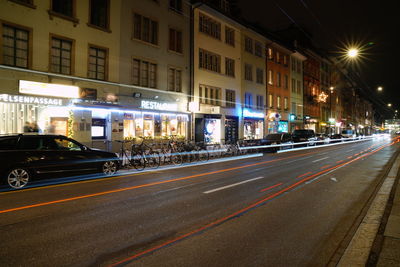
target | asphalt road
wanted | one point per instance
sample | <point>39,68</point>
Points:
<point>287,209</point>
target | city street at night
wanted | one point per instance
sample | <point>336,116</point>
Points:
<point>199,133</point>
<point>296,208</point>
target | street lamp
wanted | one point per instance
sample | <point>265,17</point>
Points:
<point>389,105</point>
<point>380,88</point>
<point>352,53</point>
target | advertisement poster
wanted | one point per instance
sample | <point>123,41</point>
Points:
<point>212,131</point>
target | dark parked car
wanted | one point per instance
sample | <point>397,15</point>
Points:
<point>322,138</point>
<point>277,139</point>
<point>28,157</point>
<point>304,135</point>
<point>335,138</point>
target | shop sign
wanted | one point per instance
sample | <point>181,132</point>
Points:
<point>251,114</point>
<point>30,100</point>
<point>48,89</point>
<point>159,105</point>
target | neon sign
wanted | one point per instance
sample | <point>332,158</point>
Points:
<point>30,100</point>
<point>158,105</point>
<point>251,114</point>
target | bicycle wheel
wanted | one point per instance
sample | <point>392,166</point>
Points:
<point>203,155</point>
<point>138,162</point>
<point>153,159</point>
<point>176,158</point>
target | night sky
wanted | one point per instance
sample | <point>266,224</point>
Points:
<point>337,23</point>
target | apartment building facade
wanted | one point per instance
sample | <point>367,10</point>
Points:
<point>278,93</point>
<point>253,84</point>
<point>216,76</point>
<point>58,61</point>
<point>155,62</point>
<point>296,91</point>
<point>312,96</point>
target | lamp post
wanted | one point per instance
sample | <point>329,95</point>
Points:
<point>330,108</point>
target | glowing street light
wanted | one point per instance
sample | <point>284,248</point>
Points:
<point>352,53</point>
<point>380,88</point>
<point>389,105</point>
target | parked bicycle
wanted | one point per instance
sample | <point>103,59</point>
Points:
<point>144,156</point>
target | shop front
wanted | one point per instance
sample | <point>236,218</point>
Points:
<point>62,109</point>
<point>253,122</point>
<point>231,129</point>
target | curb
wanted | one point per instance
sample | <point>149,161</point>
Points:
<point>358,250</point>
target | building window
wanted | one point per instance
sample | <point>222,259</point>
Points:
<point>145,29</point>
<point>175,40</point>
<point>285,61</point>
<point>298,66</point>
<point>285,103</point>
<point>63,7</point>
<point>270,101</point>
<point>97,63</point>
<point>260,76</point>
<point>299,87</point>
<point>293,64</point>
<point>278,79</point>
<point>174,80</point>
<point>248,44</point>
<point>144,73</point>
<point>286,82</point>
<point>15,47</point>
<point>248,100</point>
<point>209,26</point>
<point>293,85</point>
<point>210,95</point>
<point>99,13</point>
<point>258,49</point>
<point>260,102</point>
<point>230,98</point>
<point>278,102</point>
<point>248,72</point>
<point>230,67</point>
<point>270,54</point>
<point>278,57</point>
<point>175,5</point>
<point>61,56</point>
<point>270,77</point>
<point>229,36</point>
<point>209,61</point>
<point>293,111</point>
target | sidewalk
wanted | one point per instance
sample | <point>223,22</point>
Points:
<point>390,240</point>
<point>376,241</point>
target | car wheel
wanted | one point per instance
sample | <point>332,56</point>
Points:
<point>18,177</point>
<point>109,168</point>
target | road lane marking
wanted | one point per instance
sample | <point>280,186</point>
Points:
<point>232,185</point>
<point>350,150</point>
<point>320,159</point>
<point>265,189</point>
<point>215,223</point>
<point>147,185</point>
<point>305,174</point>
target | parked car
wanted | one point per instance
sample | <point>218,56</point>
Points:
<point>335,138</point>
<point>29,157</point>
<point>349,134</point>
<point>304,135</point>
<point>322,138</point>
<point>277,139</point>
